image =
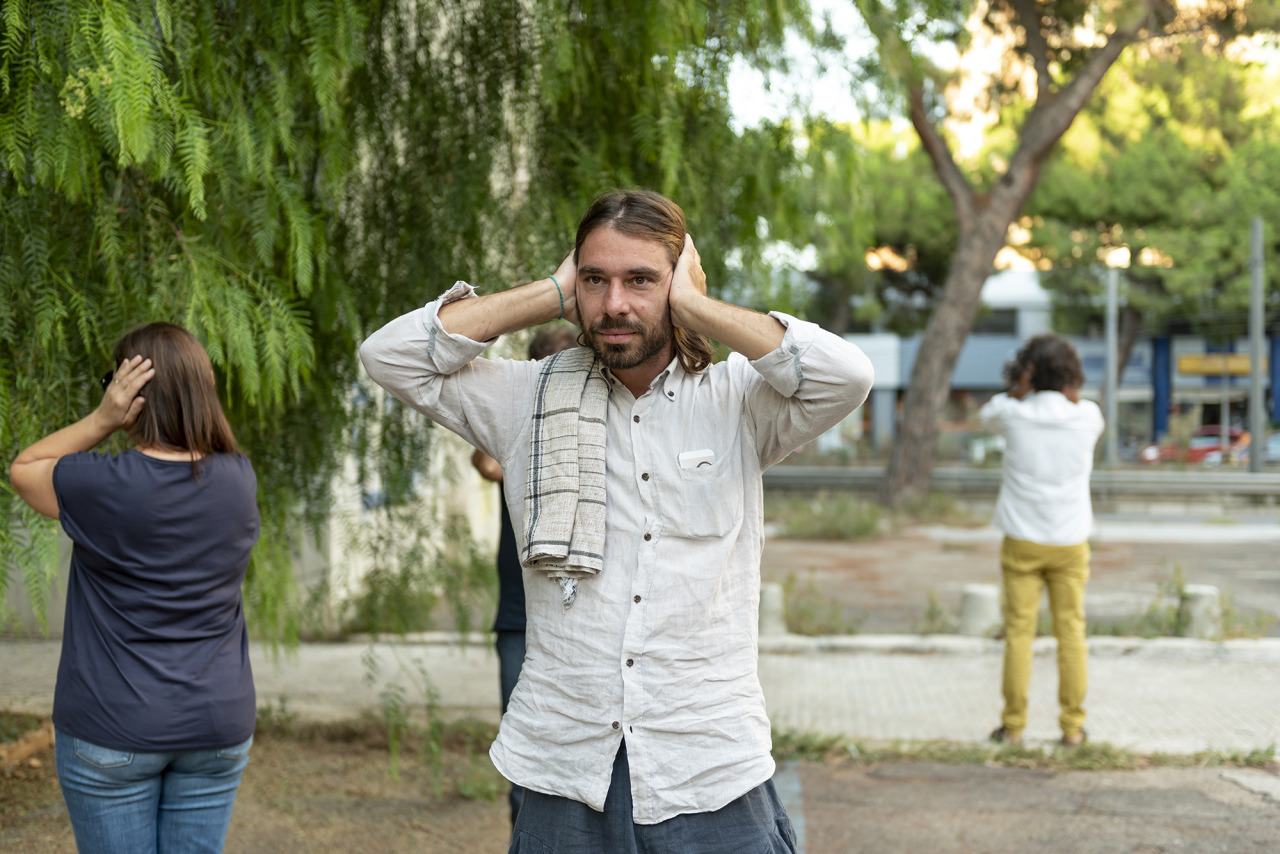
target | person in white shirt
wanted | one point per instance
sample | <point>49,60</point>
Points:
<point>1045,512</point>
<point>638,721</point>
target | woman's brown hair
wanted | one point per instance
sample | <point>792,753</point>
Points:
<point>182,410</point>
<point>651,216</point>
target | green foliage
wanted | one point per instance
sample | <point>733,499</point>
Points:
<point>410,711</point>
<point>394,601</point>
<point>1172,160</point>
<point>936,619</point>
<point>284,178</point>
<point>804,746</point>
<point>1089,756</point>
<point>13,725</point>
<point>823,516</point>
<point>1244,624</point>
<point>163,162</point>
<point>810,612</point>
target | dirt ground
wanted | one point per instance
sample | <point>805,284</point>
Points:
<point>329,795</point>
<point>883,585</point>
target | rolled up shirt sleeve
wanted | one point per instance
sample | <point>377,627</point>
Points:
<point>811,382</point>
<point>438,373</point>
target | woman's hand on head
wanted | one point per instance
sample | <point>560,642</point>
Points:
<point>122,402</point>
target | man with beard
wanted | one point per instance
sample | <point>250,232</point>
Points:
<point>633,475</point>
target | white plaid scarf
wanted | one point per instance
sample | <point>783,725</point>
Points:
<point>564,493</point>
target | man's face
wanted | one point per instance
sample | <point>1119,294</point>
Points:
<point>623,282</point>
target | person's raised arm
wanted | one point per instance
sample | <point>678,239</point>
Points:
<point>491,315</point>
<point>32,471</point>
<point>742,330</point>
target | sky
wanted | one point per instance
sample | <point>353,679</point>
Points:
<point>827,91</point>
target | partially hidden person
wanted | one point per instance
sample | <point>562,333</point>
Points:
<point>154,706</point>
<point>632,470</point>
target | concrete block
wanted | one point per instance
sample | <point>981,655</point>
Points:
<point>979,609</point>
<point>773,611</point>
<point>1201,611</point>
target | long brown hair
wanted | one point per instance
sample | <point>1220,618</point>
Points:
<point>182,411</point>
<point>651,216</point>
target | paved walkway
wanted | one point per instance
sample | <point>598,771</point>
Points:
<point>1171,695</point>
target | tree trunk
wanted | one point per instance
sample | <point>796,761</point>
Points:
<point>915,444</point>
<point>1130,326</point>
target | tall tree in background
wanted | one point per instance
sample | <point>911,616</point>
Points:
<point>171,160</point>
<point>1052,55</point>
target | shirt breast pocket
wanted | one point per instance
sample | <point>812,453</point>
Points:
<point>709,500</point>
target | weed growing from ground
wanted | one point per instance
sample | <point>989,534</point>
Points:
<point>823,516</point>
<point>809,612</point>
<point>936,620</point>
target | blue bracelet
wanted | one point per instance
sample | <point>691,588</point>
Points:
<point>561,293</point>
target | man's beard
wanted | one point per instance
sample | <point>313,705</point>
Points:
<point>619,357</point>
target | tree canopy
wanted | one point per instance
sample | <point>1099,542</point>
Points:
<point>1171,163</point>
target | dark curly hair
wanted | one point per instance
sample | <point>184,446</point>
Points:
<point>1053,360</point>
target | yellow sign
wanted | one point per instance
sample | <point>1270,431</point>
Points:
<point>1215,364</point>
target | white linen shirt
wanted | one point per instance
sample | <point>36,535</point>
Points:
<point>660,648</point>
<point>1048,458</point>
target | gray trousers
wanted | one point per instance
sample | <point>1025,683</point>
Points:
<point>755,823</point>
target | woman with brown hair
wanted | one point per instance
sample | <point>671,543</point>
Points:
<point>154,706</point>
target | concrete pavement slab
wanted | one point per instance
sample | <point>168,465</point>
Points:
<point>1169,695</point>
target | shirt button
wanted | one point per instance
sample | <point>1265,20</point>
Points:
<point>671,394</point>
<point>630,662</point>
<point>648,537</point>
<point>616,724</point>
<point>644,476</point>
<point>635,418</point>
<point>637,598</point>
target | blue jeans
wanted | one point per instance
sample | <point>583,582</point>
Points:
<point>148,803</point>
<point>755,823</point>
<point>510,646</point>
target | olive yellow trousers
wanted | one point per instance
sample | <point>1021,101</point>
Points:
<point>1027,568</point>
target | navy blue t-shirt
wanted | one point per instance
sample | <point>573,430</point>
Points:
<point>155,656</point>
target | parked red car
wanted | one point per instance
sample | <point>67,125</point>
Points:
<point>1204,440</point>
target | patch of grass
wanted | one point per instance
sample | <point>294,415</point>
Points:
<point>1237,624</point>
<point>1160,620</point>
<point>805,746</point>
<point>1259,757</point>
<point>810,612</point>
<point>1165,617</point>
<point>1090,756</point>
<point>14,725</point>
<point>823,516</point>
<point>276,718</point>
<point>480,781</point>
<point>936,619</point>
<point>938,509</point>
